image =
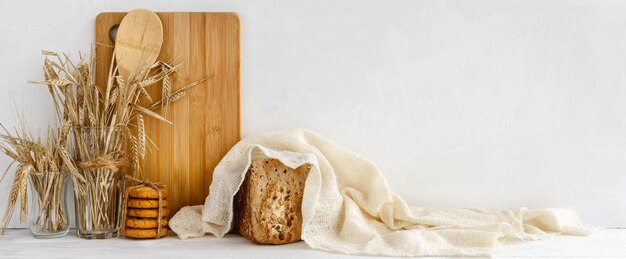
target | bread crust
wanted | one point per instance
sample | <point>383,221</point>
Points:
<point>268,206</point>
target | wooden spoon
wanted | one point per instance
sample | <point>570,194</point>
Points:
<point>138,43</point>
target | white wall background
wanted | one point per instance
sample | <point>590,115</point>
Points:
<point>493,104</point>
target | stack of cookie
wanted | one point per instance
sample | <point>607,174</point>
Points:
<point>143,211</point>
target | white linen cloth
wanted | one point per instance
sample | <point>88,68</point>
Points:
<point>348,206</point>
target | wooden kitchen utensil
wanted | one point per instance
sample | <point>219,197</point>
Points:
<point>206,121</point>
<point>138,42</point>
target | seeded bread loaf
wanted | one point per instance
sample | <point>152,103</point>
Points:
<point>268,204</point>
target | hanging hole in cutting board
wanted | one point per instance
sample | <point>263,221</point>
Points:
<point>113,32</point>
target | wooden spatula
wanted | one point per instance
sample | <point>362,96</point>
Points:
<point>138,43</point>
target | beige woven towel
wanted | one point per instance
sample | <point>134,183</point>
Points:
<point>349,208</point>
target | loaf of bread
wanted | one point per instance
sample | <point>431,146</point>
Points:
<point>268,204</point>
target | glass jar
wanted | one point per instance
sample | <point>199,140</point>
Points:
<point>48,207</point>
<point>99,153</point>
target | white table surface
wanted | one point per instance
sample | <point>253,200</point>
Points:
<point>18,243</point>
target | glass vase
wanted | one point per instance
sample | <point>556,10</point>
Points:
<point>99,153</point>
<point>48,207</point>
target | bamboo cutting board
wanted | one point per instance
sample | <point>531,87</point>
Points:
<point>206,121</point>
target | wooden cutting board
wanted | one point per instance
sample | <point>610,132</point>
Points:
<point>207,120</point>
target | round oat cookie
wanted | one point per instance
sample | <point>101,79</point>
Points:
<point>143,233</point>
<point>145,204</point>
<point>147,213</point>
<point>148,193</point>
<point>144,223</point>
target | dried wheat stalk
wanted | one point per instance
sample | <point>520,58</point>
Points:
<point>42,156</point>
<point>109,110</point>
